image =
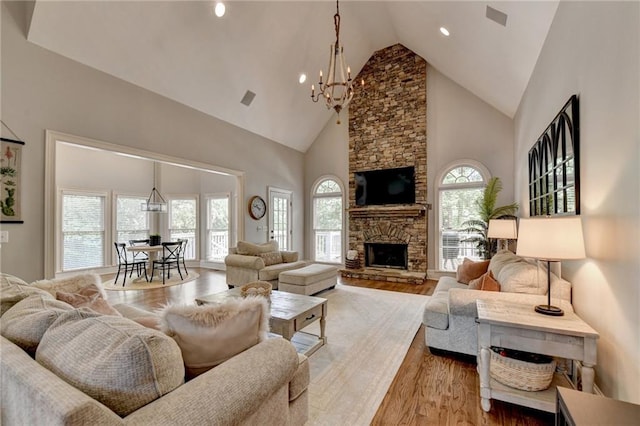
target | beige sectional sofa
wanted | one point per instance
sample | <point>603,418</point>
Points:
<point>450,314</point>
<point>250,262</point>
<point>62,365</point>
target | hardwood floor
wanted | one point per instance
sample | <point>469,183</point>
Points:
<point>428,389</point>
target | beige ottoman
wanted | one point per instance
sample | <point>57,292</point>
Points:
<point>308,280</point>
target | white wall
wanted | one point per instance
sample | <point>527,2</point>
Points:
<point>42,90</point>
<point>593,50</point>
<point>459,126</point>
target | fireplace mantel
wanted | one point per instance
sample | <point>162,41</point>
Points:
<point>388,211</point>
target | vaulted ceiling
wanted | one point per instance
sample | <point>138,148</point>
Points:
<point>181,50</point>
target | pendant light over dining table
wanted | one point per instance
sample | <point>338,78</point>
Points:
<point>337,90</point>
<point>155,203</point>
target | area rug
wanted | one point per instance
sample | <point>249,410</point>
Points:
<point>140,284</point>
<point>369,332</point>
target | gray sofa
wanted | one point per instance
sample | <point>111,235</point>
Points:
<point>266,384</point>
<point>250,262</point>
<point>450,314</point>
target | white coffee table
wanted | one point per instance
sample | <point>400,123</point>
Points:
<point>518,326</point>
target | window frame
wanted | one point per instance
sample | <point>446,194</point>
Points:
<point>486,176</point>
<point>167,224</point>
<point>107,234</point>
<point>151,218</point>
<point>205,227</point>
<point>314,195</point>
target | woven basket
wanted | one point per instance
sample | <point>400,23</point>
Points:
<point>352,264</point>
<point>256,288</point>
<point>522,375</point>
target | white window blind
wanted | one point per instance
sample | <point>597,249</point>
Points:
<point>131,222</point>
<point>83,231</point>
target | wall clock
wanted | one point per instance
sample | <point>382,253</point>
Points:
<point>257,207</point>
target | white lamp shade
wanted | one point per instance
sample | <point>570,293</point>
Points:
<point>551,238</point>
<point>503,229</point>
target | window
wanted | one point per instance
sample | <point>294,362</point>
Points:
<point>131,222</point>
<point>327,221</point>
<point>460,186</point>
<point>183,222</point>
<point>217,227</point>
<point>83,230</point>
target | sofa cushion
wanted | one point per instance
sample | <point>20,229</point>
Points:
<point>252,249</point>
<point>119,363</point>
<point>485,282</point>
<point>436,312</point>
<point>210,334</point>
<point>11,279</point>
<point>470,270</point>
<point>300,381</point>
<point>500,260</point>
<point>271,258</point>
<point>272,272</point>
<point>26,322</point>
<point>13,291</point>
<point>88,297</point>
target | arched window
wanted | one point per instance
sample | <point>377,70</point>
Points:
<point>327,220</point>
<point>459,186</point>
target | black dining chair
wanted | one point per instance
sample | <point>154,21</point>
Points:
<point>183,249</point>
<point>139,255</point>
<point>170,259</point>
<point>128,264</point>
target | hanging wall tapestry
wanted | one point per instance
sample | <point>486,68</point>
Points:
<point>10,182</point>
<point>554,172</point>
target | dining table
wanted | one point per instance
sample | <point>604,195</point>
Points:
<point>152,253</point>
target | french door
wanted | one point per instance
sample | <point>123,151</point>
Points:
<point>280,228</point>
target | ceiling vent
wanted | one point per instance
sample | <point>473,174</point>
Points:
<point>248,98</point>
<point>497,16</point>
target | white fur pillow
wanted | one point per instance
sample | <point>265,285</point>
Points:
<point>211,334</point>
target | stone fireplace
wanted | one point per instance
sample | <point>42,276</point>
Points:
<point>384,255</point>
<point>387,130</point>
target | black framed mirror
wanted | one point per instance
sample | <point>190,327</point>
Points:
<point>554,167</point>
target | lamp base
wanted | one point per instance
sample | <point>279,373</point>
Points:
<point>549,310</point>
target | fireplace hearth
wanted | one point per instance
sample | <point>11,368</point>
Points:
<point>384,255</point>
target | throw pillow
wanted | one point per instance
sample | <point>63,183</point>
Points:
<point>485,282</point>
<point>11,292</point>
<point>209,335</point>
<point>251,249</point>
<point>88,297</point>
<point>71,284</point>
<point>150,322</point>
<point>26,322</point>
<point>522,277</point>
<point>289,256</point>
<point>271,258</point>
<point>112,359</point>
<point>470,270</point>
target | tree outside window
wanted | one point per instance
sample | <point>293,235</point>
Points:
<point>327,221</point>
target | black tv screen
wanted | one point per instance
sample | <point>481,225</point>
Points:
<point>386,186</point>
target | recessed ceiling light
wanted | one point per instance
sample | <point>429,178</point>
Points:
<point>444,31</point>
<point>302,78</point>
<point>220,9</point>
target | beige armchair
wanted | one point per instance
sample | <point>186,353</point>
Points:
<point>259,262</point>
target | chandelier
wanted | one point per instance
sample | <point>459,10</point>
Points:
<point>155,203</point>
<point>337,91</point>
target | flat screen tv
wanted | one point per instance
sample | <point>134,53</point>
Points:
<point>386,186</point>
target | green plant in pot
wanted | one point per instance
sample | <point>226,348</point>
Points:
<point>155,239</point>
<point>487,210</point>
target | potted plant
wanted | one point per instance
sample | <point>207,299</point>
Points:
<point>487,210</point>
<point>155,239</point>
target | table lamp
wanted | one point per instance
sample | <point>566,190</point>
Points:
<point>551,239</point>
<point>502,229</point>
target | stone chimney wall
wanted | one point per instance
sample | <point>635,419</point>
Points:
<point>388,129</point>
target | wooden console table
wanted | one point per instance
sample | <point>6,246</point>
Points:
<point>518,326</point>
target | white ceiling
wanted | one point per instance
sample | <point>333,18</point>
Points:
<point>181,50</point>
